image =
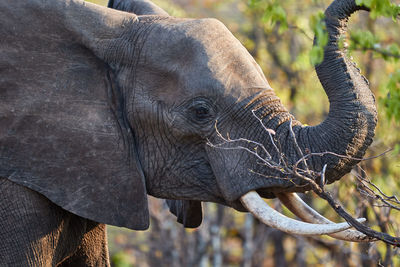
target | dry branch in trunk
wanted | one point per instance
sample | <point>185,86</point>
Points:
<point>314,179</point>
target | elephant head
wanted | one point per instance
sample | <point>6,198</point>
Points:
<point>101,107</point>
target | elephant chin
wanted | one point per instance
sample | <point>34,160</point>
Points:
<point>312,222</point>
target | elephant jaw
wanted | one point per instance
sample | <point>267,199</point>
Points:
<point>314,223</point>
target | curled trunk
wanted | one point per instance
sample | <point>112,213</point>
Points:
<point>349,128</point>
<point>346,134</point>
<point>347,131</point>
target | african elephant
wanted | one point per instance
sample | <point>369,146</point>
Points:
<point>101,107</point>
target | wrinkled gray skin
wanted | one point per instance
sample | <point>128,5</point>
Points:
<point>99,108</point>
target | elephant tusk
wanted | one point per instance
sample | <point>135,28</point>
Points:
<point>296,205</point>
<point>260,209</point>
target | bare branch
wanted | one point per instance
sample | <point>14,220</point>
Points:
<point>395,241</point>
<point>365,183</point>
<point>310,177</point>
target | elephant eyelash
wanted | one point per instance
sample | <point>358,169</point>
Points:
<point>201,110</point>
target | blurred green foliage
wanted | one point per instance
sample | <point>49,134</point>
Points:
<point>321,38</point>
<point>381,8</point>
<point>121,259</point>
<point>272,11</point>
<point>363,40</point>
<point>392,101</point>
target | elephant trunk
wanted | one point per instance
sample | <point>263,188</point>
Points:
<point>349,128</point>
<point>347,131</point>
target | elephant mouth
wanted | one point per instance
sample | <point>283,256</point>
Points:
<point>312,222</point>
<point>245,192</point>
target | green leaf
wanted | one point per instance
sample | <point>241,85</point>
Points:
<point>318,25</point>
<point>395,50</point>
<point>120,259</point>
<point>316,55</point>
<point>396,149</point>
<point>363,40</point>
<point>392,100</point>
<point>274,13</point>
<point>381,8</point>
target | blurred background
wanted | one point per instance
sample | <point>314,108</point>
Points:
<point>279,35</point>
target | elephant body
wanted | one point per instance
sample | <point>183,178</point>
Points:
<point>101,107</point>
<point>36,232</point>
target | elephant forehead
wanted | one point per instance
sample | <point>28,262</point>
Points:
<point>225,78</point>
<point>203,54</point>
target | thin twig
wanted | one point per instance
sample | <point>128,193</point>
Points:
<point>289,172</point>
<point>388,201</point>
<point>395,241</point>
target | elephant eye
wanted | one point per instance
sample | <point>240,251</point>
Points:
<point>202,113</point>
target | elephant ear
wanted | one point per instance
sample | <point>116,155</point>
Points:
<point>138,7</point>
<point>63,132</point>
<point>188,212</point>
